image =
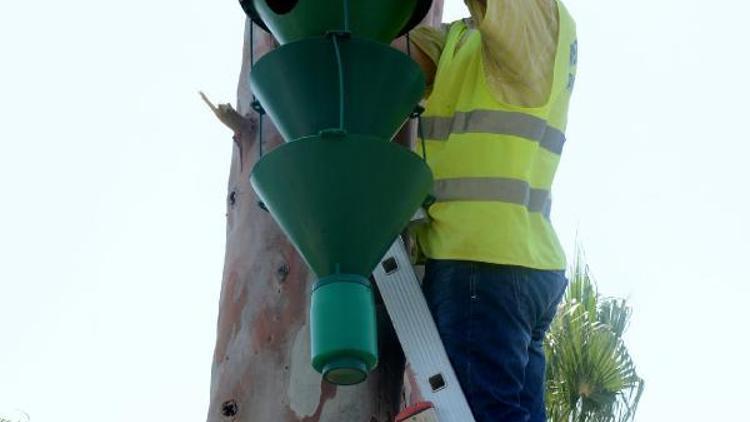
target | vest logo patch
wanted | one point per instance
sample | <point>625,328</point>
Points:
<point>574,53</point>
<point>571,81</point>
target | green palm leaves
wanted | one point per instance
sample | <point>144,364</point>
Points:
<point>590,374</point>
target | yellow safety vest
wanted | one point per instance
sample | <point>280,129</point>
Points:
<point>493,163</point>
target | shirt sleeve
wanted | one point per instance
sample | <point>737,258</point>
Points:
<point>431,40</point>
<point>519,44</point>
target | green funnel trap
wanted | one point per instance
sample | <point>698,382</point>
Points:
<point>381,20</point>
<point>298,85</point>
<point>342,201</point>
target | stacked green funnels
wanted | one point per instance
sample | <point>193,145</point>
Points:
<point>340,190</point>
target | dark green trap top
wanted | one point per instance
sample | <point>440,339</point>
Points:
<point>381,20</point>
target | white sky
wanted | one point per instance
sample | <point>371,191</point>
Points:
<point>113,180</point>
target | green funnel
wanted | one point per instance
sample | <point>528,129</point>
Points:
<point>342,201</point>
<point>382,20</point>
<point>298,85</point>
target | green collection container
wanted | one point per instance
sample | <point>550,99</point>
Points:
<point>298,85</point>
<point>381,20</point>
<point>343,334</point>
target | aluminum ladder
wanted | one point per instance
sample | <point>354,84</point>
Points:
<point>419,338</point>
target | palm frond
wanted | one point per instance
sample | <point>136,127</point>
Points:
<point>590,374</point>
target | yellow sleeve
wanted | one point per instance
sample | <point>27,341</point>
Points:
<point>519,40</point>
<point>430,40</point>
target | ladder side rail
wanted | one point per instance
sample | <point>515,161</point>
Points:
<point>418,335</point>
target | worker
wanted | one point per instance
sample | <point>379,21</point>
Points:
<point>496,111</point>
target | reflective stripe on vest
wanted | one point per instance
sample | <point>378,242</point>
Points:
<point>498,189</point>
<point>496,122</point>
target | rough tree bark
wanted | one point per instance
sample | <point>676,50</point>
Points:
<point>261,370</point>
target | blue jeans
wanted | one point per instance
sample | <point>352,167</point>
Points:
<point>492,319</point>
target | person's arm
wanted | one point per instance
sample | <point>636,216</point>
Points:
<point>519,40</point>
<point>426,46</point>
<point>419,56</point>
<point>425,49</point>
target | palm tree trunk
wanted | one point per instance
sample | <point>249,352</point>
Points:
<point>261,370</point>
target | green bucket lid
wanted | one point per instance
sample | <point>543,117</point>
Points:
<point>381,20</point>
<point>345,371</point>
<point>342,201</point>
<point>298,85</point>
